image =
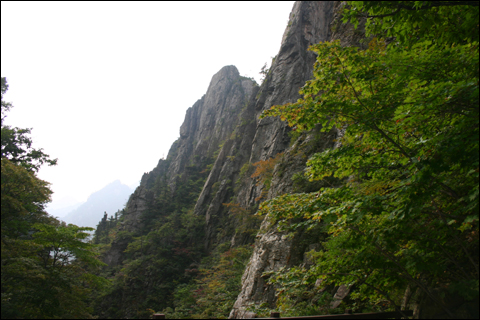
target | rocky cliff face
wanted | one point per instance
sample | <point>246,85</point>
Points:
<point>263,139</point>
<point>222,135</point>
<point>207,125</point>
<point>310,23</point>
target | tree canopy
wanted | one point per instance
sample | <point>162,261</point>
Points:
<point>407,114</point>
<point>16,146</point>
<point>47,266</point>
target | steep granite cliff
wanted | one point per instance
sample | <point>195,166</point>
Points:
<point>208,123</point>
<point>309,24</point>
<point>222,141</point>
<point>260,140</point>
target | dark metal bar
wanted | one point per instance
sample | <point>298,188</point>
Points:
<point>346,315</point>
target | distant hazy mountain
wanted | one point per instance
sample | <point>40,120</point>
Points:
<point>62,207</point>
<point>109,199</point>
<point>63,211</point>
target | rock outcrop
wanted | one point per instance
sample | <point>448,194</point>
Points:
<point>308,24</point>
<point>208,124</point>
<point>256,139</point>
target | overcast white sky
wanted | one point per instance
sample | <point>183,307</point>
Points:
<point>105,85</point>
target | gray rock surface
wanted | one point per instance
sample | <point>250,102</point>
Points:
<point>292,67</point>
<point>310,23</point>
<point>208,124</point>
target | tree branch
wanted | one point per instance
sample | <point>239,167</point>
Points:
<point>406,273</point>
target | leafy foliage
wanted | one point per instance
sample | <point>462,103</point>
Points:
<point>47,267</point>
<point>264,173</point>
<point>16,146</point>
<point>171,247</point>
<point>246,221</point>
<point>299,293</point>
<point>49,275</point>
<point>214,291</point>
<point>442,22</point>
<point>408,215</point>
<point>170,240</point>
<point>107,228</point>
<point>23,199</point>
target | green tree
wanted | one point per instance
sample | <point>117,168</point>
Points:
<point>408,215</point>
<point>16,146</point>
<point>216,287</point>
<point>23,198</point>
<point>49,275</point>
<point>46,266</point>
<point>23,194</point>
<point>409,22</point>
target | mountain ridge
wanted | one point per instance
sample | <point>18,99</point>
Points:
<point>110,199</point>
